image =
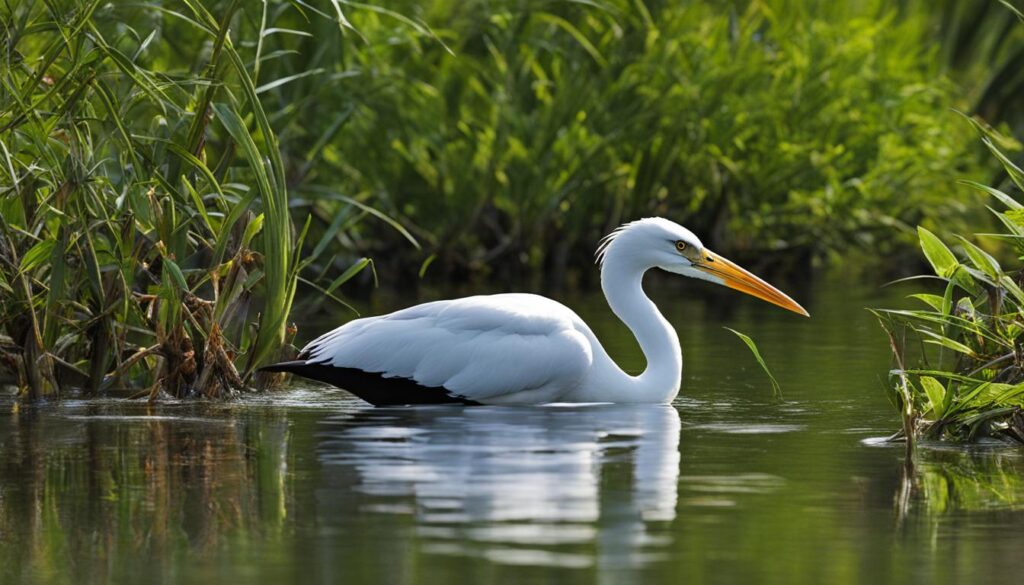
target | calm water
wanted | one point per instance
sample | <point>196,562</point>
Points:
<point>726,485</point>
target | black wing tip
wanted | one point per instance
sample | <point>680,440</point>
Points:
<point>289,367</point>
<point>372,387</point>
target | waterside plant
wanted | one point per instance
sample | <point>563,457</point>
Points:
<point>146,238</point>
<point>959,362</point>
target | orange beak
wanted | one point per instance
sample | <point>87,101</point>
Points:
<point>740,279</point>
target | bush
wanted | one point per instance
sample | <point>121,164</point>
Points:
<point>803,129</point>
<point>144,204</point>
<point>968,381</point>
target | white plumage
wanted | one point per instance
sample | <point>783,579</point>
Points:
<point>524,348</point>
<point>474,347</point>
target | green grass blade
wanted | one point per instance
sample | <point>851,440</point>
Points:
<point>776,389</point>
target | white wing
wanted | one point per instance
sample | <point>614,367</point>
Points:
<point>494,348</point>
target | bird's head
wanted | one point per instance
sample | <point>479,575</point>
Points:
<point>655,242</point>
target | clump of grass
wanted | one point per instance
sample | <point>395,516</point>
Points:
<point>967,380</point>
<point>145,233</point>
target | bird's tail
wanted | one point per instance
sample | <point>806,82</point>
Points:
<point>305,369</point>
<point>373,387</point>
<point>292,367</point>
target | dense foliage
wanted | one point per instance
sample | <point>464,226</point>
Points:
<point>981,45</point>
<point>141,205</point>
<point>792,127</point>
<point>960,361</point>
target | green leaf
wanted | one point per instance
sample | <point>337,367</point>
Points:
<point>36,255</point>
<point>947,301</point>
<point>936,395</point>
<point>1012,396</point>
<point>381,216</point>
<point>576,34</point>
<point>933,301</point>
<point>55,295</point>
<point>1016,216</point>
<point>348,274</point>
<point>1013,9</point>
<point>251,229</point>
<point>949,343</point>
<point>1008,201</point>
<point>176,273</point>
<point>329,233</point>
<point>985,395</point>
<point>946,320</point>
<point>942,260</point>
<point>426,264</point>
<point>776,389</point>
<point>1011,286</point>
<point>981,259</point>
<point>279,82</point>
<point>1015,172</point>
<point>197,200</point>
<point>967,278</point>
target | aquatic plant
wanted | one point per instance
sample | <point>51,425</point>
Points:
<point>960,361</point>
<point>752,346</point>
<point>145,232</point>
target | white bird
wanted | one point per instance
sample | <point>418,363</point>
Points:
<point>524,348</point>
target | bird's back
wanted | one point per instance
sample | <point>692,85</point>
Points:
<point>498,349</point>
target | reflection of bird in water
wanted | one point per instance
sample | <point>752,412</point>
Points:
<point>519,485</point>
<point>523,348</point>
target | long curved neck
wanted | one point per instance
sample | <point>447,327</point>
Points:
<point>623,287</point>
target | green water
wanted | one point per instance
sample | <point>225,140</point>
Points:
<point>726,485</point>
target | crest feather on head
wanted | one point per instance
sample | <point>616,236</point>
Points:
<point>669,227</point>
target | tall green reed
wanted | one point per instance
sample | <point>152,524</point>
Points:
<point>982,45</point>
<point>145,229</point>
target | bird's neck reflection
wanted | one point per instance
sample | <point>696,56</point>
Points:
<point>530,483</point>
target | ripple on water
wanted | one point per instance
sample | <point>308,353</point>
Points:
<point>742,483</point>
<point>748,428</point>
<point>878,442</point>
<point>513,556</point>
<point>301,394</point>
<point>148,418</point>
<point>535,557</point>
<point>534,533</point>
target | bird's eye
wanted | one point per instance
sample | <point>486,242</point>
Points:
<point>680,245</point>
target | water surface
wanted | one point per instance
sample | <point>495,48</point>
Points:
<point>726,485</point>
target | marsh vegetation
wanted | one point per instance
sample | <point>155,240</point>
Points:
<point>959,365</point>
